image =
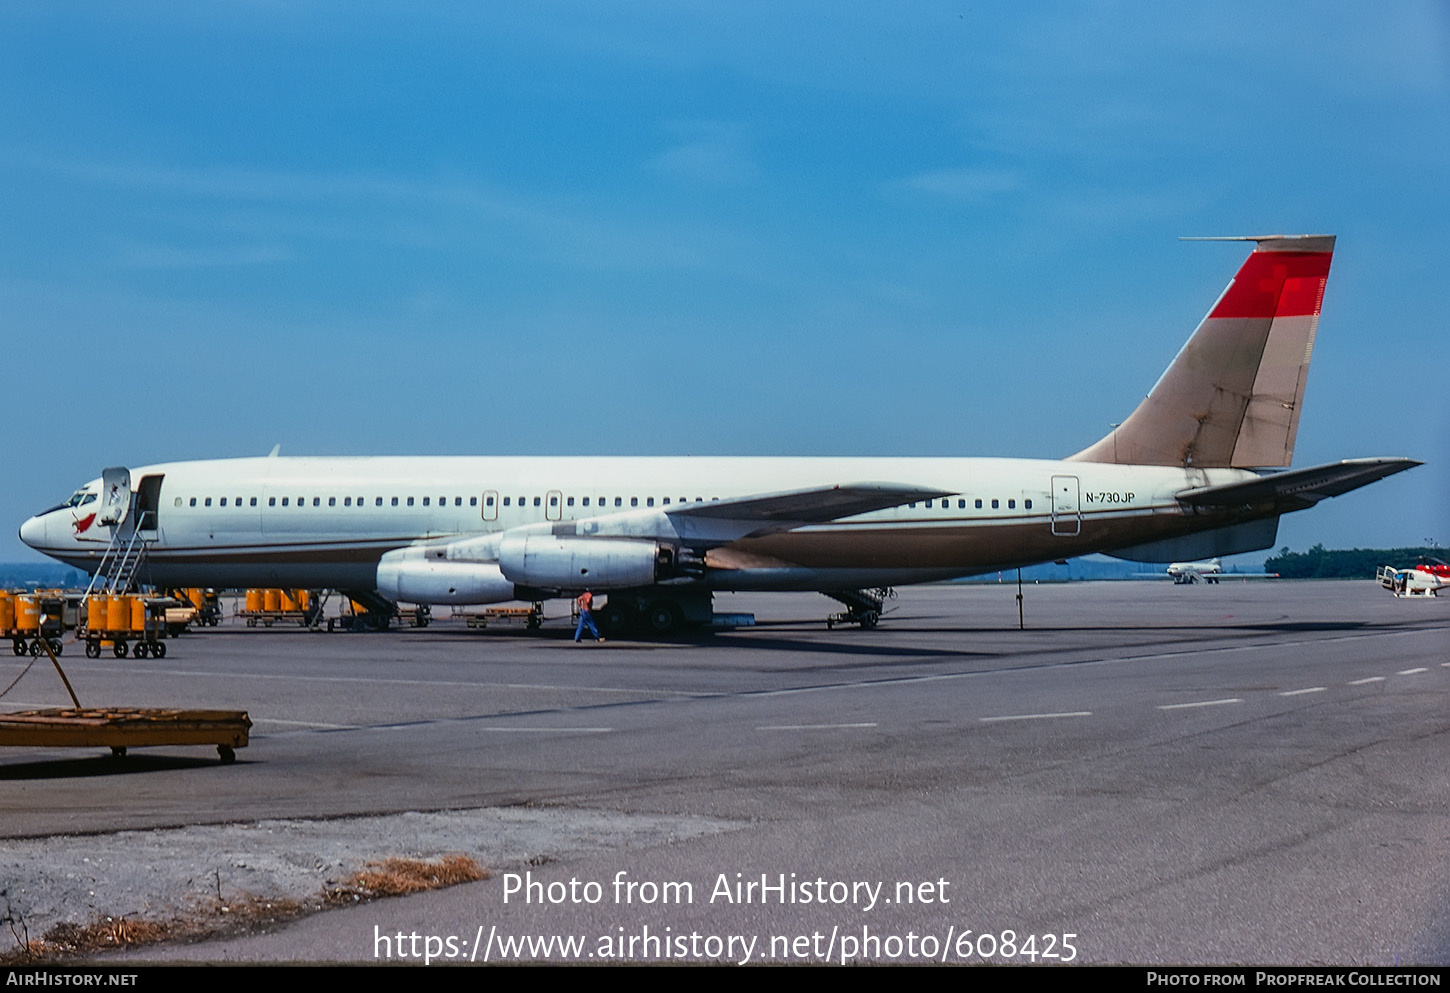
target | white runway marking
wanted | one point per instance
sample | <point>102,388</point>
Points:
<point>1037,717</point>
<point>556,730</point>
<point>1311,689</point>
<point>1200,703</point>
<point>814,727</point>
<point>306,724</point>
<point>1411,672</point>
<point>1367,679</point>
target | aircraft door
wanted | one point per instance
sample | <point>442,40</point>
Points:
<point>1066,506</point>
<point>115,495</point>
<point>490,505</point>
<point>553,505</point>
<point>148,504</point>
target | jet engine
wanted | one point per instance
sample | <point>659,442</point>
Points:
<point>553,562</point>
<point>435,581</point>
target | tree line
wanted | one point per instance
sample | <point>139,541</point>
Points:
<point>1341,563</point>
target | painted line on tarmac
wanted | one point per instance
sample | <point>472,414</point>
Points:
<point>1310,689</point>
<point>816,727</point>
<point>1199,703</point>
<point>1036,717</point>
<point>1367,679</point>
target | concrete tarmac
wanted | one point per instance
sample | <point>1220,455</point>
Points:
<point>1253,772</point>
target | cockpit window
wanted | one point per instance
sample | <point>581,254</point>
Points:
<point>78,498</point>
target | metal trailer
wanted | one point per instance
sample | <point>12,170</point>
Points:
<point>121,728</point>
<point>149,639</point>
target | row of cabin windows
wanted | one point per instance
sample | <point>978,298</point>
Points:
<point>331,501</point>
<point>538,502</point>
<point>962,504</point>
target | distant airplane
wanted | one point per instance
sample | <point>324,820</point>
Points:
<point>1182,478</point>
<point>1211,571</point>
<point>1191,572</point>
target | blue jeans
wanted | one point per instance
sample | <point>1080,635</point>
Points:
<point>585,621</point>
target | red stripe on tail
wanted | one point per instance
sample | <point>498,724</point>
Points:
<point>1277,284</point>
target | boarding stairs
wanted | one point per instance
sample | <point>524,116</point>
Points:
<point>121,561</point>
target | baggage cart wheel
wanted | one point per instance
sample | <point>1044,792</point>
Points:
<point>93,649</point>
<point>139,652</point>
<point>158,650</point>
<point>118,649</point>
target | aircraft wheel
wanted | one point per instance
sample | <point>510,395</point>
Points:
<point>118,649</point>
<point>158,650</point>
<point>869,619</point>
<point>614,620</point>
<point>664,617</point>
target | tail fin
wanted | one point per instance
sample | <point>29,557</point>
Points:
<point>1233,394</point>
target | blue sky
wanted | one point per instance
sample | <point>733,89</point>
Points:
<point>703,228</point>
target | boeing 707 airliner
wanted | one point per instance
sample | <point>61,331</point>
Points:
<point>1199,469</point>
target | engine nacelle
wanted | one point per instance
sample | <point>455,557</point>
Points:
<point>553,562</point>
<point>417,579</point>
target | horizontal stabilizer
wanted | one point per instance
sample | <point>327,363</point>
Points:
<point>1298,488</point>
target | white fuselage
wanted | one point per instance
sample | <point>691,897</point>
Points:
<point>326,522</point>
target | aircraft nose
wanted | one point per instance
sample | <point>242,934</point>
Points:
<point>32,532</point>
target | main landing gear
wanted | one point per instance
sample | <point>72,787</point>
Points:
<point>863,607</point>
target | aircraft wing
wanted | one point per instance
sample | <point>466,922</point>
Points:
<point>1297,488</point>
<point>719,522</point>
<point>812,506</point>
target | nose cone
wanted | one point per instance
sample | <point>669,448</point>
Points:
<point>32,532</point>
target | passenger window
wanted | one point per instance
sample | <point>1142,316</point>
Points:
<point>317,501</point>
<point>193,501</point>
<point>667,501</point>
<point>395,501</point>
<point>634,501</point>
<point>538,502</point>
<point>995,504</point>
<point>425,501</point>
<point>506,501</point>
<point>178,501</point>
<point>586,501</point>
<point>224,501</point>
<point>331,501</point>
<point>271,501</point>
<point>1027,504</point>
<point>458,501</point>
<point>284,501</point>
<point>979,503</point>
<point>570,502</point>
<point>1011,504</point>
<point>553,501</point>
<point>254,501</point>
<point>619,501</point>
<point>347,501</point>
<point>473,502</point>
<point>961,505</point>
<point>208,501</point>
<point>410,501</point>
